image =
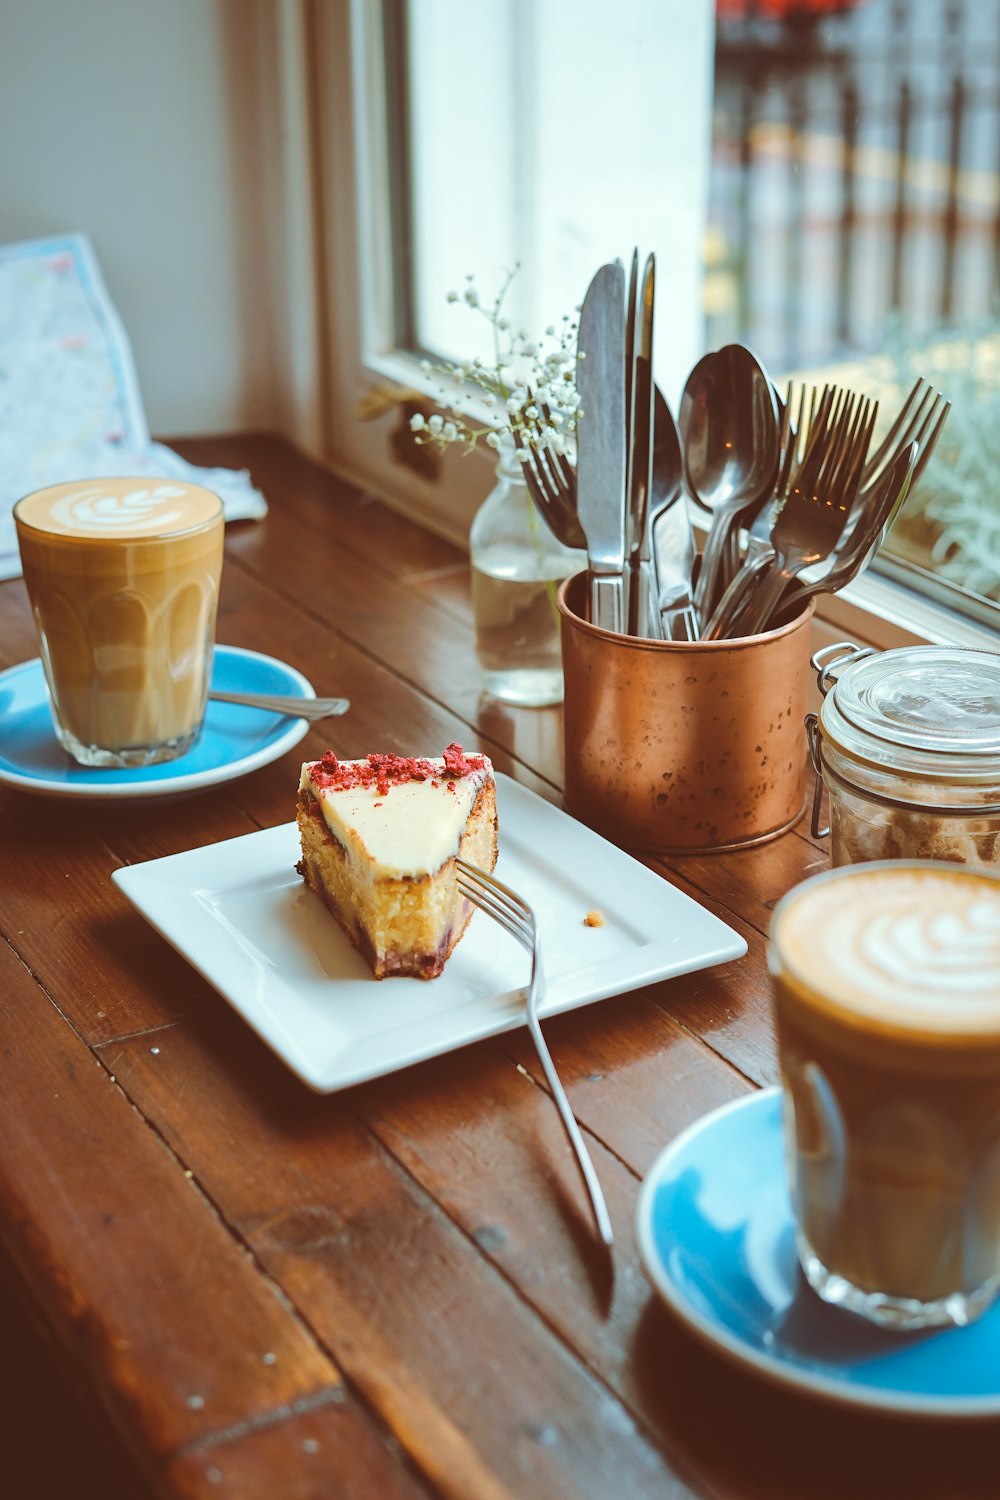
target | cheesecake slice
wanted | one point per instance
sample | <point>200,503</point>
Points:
<point>379,841</point>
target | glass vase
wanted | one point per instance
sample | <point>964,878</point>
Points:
<point>517,566</point>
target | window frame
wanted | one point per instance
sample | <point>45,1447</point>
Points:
<point>355,267</point>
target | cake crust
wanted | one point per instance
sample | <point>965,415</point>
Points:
<point>401,924</point>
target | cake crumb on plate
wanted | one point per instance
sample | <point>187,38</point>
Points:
<point>594,919</point>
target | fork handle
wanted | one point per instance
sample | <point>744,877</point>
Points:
<point>765,600</point>
<point>590,1180</point>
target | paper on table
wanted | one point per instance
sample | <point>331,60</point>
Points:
<point>70,406</point>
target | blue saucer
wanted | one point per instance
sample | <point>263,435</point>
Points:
<point>716,1235</point>
<point>233,741</point>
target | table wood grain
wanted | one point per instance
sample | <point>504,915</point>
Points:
<point>390,1292</point>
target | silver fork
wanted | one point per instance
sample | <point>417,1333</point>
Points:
<point>511,912</point>
<point>793,443</point>
<point>551,483</point>
<point>819,500</point>
<point>923,428</point>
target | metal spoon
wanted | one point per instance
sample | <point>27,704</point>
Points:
<point>296,708</point>
<point>730,434</point>
<point>672,539</point>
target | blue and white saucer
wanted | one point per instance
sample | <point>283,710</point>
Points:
<point>233,741</point>
<point>716,1235</point>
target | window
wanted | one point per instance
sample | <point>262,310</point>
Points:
<point>854,233</point>
<point>818,178</point>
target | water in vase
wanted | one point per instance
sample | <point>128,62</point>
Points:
<point>517,626</point>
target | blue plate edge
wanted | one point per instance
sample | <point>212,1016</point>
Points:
<point>183,784</point>
<point>787,1377</point>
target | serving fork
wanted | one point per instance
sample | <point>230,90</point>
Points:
<point>511,912</point>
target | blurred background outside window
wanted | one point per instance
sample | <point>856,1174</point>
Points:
<point>850,185</point>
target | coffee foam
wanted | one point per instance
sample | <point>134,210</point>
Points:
<point>108,509</point>
<point>915,947</point>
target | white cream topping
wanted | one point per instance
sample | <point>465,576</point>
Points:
<point>408,830</point>
<point>915,948</point>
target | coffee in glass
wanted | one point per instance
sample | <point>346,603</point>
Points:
<point>886,984</point>
<point>123,578</point>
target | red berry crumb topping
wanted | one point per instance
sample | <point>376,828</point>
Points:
<point>383,771</point>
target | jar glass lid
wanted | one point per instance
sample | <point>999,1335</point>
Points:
<point>944,699</point>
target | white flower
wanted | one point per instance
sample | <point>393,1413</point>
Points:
<point>530,391</point>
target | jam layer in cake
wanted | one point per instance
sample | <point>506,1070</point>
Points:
<point>379,842</point>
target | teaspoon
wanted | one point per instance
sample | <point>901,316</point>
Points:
<point>296,708</point>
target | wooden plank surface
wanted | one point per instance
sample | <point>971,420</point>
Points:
<point>392,1292</point>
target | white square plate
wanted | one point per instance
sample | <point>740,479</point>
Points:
<point>242,916</point>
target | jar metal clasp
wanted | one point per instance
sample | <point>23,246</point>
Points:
<point>829,661</point>
<point>816,756</point>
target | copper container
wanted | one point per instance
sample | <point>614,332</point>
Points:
<point>682,747</point>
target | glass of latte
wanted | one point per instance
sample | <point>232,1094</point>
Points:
<point>123,578</point>
<point>886,981</point>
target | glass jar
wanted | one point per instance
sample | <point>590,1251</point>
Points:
<point>517,565</point>
<point>908,744</point>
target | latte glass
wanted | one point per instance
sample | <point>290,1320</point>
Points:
<point>123,578</point>
<point>886,980</point>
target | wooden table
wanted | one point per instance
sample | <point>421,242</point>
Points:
<point>390,1292</point>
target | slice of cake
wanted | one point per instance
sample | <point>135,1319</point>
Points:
<point>379,841</point>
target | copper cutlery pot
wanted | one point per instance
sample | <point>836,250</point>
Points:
<point>683,747</point>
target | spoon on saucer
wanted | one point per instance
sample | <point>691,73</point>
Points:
<point>296,708</point>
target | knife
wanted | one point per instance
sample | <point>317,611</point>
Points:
<point>633,291</point>
<point>600,442</point>
<point>640,589</point>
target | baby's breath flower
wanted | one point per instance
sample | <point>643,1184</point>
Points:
<point>525,378</point>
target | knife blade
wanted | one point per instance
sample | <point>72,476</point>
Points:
<point>600,442</point>
<point>639,579</point>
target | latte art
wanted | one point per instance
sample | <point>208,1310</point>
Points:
<point>913,947</point>
<point>932,952</point>
<point>137,510</point>
<point>124,508</point>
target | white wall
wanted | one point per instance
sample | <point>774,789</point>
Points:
<point>144,122</point>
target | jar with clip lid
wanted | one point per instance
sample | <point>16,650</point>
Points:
<point>907,743</point>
